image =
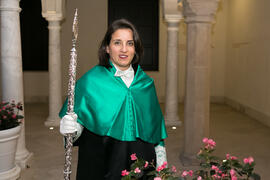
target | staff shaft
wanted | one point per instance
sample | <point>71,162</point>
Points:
<point>71,95</point>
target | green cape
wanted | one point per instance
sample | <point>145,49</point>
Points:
<point>106,107</point>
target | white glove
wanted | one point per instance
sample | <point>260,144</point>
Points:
<point>68,124</point>
<point>161,156</point>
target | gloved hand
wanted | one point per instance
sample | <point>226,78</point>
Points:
<point>68,124</point>
<point>161,156</point>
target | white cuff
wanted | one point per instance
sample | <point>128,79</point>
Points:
<point>161,156</point>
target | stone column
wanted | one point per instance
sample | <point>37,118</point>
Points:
<point>171,103</point>
<point>199,18</point>
<point>55,82</point>
<point>11,66</point>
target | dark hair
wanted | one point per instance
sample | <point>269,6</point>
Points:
<point>103,56</point>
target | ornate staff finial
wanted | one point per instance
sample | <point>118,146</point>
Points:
<point>75,27</point>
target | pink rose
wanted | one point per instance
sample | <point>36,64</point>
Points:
<point>4,117</point>
<point>214,168</point>
<point>234,178</point>
<point>124,173</point>
<point>190,173</point>
<point>248,160</point>
<point>232,172</point>
<point>133,157</point>
<point>223,175</point>
<point>157,178</point>
<point>137,170</point>
<point>199,178</point>
<point>233,158</point>
<point>211,143</point>
<point>164,165</point>
<point>160,168</point>
<point>251,160</point>
<point>205,140</point>
<point>146,164</point>
<point>245,160</point>
<point>228,156</point>
<point>14,116</point>
<point>173,169</point>
<point>184,173</point>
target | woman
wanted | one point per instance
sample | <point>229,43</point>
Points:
<point>117,111</point>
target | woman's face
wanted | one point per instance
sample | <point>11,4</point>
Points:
<point>121,48</point>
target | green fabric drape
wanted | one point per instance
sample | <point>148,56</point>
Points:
<point>106,107</point>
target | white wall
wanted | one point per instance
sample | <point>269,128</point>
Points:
<point>92,27</point>
<point>248,57</point>
<point>219,56</point>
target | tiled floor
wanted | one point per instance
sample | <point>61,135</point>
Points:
<point>234,133</point>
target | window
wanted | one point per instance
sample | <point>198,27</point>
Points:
<point>34,36</point>
<point>144,14</point>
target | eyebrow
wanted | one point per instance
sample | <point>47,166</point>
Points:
<point>121,40</point>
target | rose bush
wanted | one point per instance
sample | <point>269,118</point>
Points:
<point>9,115</point>
<point>211,168</point>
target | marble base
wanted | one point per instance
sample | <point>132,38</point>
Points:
<point>172,121</point>
<point>52,122</point>
<point>11,174</point>
<point>188,160</point>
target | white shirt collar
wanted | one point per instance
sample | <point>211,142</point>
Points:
<point>128,72</point>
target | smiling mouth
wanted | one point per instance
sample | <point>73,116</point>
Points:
<point>123,56</point>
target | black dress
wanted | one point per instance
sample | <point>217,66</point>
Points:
<point>104,158</point>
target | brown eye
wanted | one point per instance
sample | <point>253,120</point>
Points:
<point>117,43</point>
<point>130,43</point>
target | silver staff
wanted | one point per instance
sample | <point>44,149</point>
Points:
<point>71,92</point>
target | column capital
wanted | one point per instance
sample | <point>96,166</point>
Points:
<point>53,10</point>
<point>173,18</point>
<point>200,11</point>
<point>173,21</point>
<point>10,5</point>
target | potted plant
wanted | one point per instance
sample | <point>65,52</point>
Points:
<point>10,120</point>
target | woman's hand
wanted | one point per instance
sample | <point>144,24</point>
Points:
<point>68,124</point>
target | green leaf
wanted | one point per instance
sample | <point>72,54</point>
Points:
<point>255,176</point>
<point>181,178</point>
<point>19,116</point>
<point>126,178</point>
<point>237,164</point>
<point>205,165</point>
<point>172,178</point>
<point>214,158</point>
<point>151,173</point>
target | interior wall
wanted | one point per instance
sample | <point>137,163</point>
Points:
<point>248,62</point>
<point>92,27</point>
<point>219,53</point>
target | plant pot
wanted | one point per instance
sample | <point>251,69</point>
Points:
<point>8,146</point>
